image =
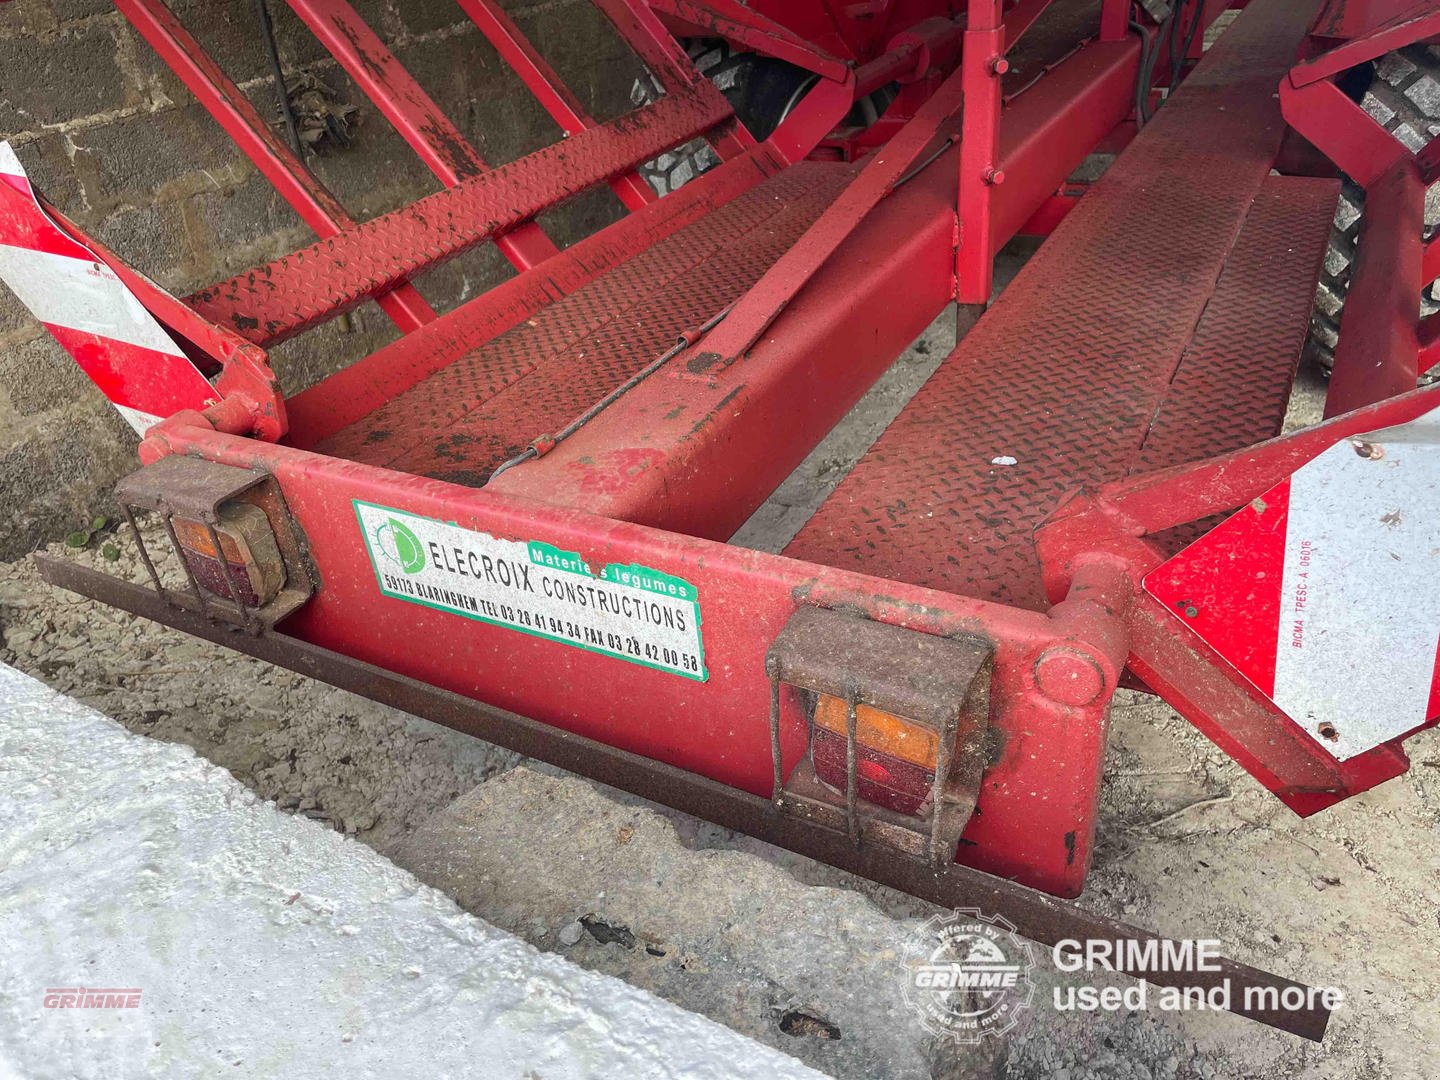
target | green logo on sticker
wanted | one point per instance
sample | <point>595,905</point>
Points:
<point>401,546</point>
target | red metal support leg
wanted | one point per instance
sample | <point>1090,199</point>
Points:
<point>982,63</point>
<point>414,115</point>
<point>224,101</point>
<point>1378,353</point>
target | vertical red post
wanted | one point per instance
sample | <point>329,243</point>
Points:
<point>982,62</point>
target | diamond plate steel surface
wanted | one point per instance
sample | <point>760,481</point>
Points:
<point>489,404</point>
<point>270,303</point>
<point>1057,385</point>
<point>1234,379</point>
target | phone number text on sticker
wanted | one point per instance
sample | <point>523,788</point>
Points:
<point>631,612</point>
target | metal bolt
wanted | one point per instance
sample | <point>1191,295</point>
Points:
<point>1191,611</point>
<point>994,176</point>
<point>1067,675</point>
<point>999,65</point>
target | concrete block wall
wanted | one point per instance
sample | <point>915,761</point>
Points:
<point>115,140</point>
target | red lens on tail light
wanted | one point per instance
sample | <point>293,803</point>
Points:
<point>894,757</point>
<point>247,548</point>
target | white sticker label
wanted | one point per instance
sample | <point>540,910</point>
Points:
<point>630,612</point>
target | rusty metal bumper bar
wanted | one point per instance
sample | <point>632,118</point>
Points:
<point>1039,917</point>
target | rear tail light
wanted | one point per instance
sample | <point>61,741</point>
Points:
<point>247,550</point>
<point>894,757</point>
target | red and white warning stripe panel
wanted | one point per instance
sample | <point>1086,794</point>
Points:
<point>1325,591</point>
<point>89,310</point>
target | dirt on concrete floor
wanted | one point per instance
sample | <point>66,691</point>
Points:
<point>794,953</point>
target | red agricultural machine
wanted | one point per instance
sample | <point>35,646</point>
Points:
<point>513,519</point>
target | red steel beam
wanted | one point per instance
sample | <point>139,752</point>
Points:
<point>734,21</point>
<point>982,62</point>
<point>1038,808</point>
<point>1157,501</point>
<point>549,89</point>
<point>763,303</point>
<point>1378,352</point>
<point>367,384</point>
<point>232,110</point>
<point>646,35</point>
<point>681,449</point>
<point>293,293</point>
<point>414,115</point>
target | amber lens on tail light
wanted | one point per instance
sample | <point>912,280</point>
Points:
<point>894,757</point>
<point>248,548</point>
<point>880,731</point>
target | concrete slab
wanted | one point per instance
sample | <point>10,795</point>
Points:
<point>233,939</point>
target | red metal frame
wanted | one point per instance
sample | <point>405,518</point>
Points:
<point>1380,350</point>
<point>562,105</point>
<point>670,468</point>
<point>223,99</point>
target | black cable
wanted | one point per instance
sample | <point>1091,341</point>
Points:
<point>1177,63</point>
<point>536,449</point>
<point>267,31</point>
<point>1147,70</point>
<point>930,160</point>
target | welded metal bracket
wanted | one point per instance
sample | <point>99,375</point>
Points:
<point>940,683</point>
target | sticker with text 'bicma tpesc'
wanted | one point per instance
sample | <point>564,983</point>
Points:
<point>631,612</point>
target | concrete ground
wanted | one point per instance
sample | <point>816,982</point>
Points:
<point>138,866</point>
<point>796,954</point>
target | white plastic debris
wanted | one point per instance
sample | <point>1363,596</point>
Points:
<point>211,935</point>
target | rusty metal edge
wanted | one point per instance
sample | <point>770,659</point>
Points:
<point>1041,918</point>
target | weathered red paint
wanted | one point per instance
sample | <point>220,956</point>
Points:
<point>674,465</point>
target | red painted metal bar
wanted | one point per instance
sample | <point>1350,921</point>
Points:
<point>372,381</point>
<point>233,111</point>
<point>824,106</point>
<point>1114,19</point>
<point>417,118</point>
<point>763,303</point>
<point>276,301</point>
<point>679,450</point>
<point>1394,30</point>
<point>735,22</point>
<point>1157,501</point>
<point>1377,355</point>
<point>1429,343</point>
<point>549,89</point>
<point>1039,136</point>
<point>982,62</point>
<point>1349,136</point>
<point>642,30</point>
<point>1037,809</point>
